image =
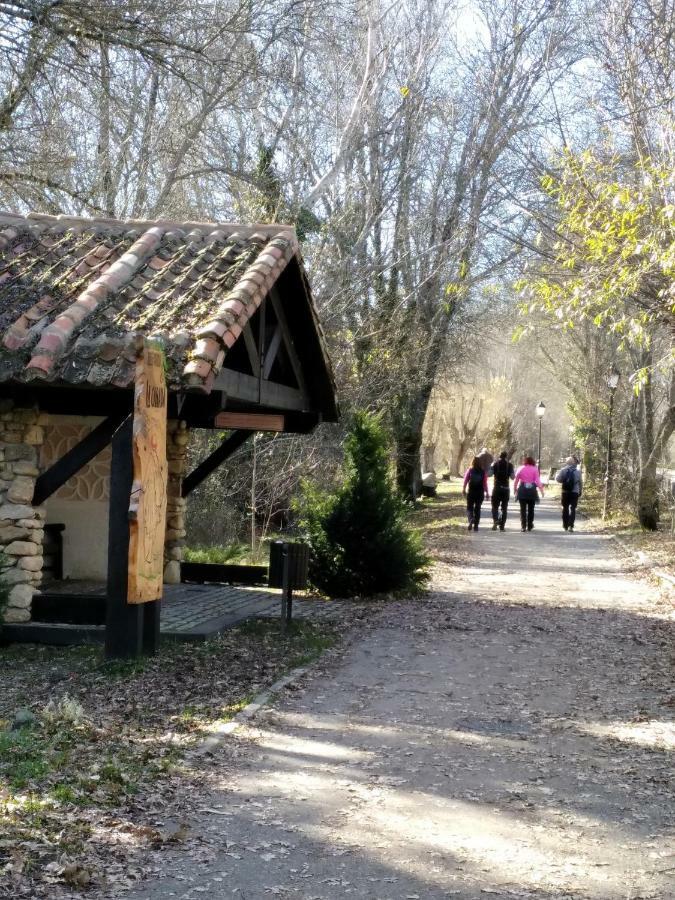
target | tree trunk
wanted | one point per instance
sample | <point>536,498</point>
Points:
<point>429,456</point>
<point>648,492</point>
<point>648,498</point>
<point>459,454</point>
<point>408,472</point>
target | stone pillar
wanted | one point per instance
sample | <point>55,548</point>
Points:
<point>21,524</point>
<point>176,453</point>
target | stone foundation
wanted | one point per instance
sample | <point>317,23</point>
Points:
<point>177,438</point>
<point>21,524</point>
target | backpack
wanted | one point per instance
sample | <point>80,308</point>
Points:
<point>568,481</point>
<point>476,480</point>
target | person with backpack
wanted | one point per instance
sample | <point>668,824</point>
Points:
<point>570,479</point>
<point>502,472</point>
<point>475,488</point>
<point>525,486</point>
<point>485,458</point>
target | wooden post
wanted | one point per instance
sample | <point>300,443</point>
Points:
<point>124,622</point>
<point>286,589</point>
<point>147,510</point>
<point>151,619</point>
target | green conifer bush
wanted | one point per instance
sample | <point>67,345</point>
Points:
<point>360,543</point>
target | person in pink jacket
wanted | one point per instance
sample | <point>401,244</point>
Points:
<point>475,487</point>
<point>525,486</point>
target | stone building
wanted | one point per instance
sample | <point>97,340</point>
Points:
<point>230,306</point>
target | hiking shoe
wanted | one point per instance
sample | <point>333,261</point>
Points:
<point>523,528</point>
<point>494,526</point>
<point>501,527</point>
<point>470,526</point>
<point>530,527</point>
<point>571,528</point>
<point>565,527</point>
<point>475,527</point>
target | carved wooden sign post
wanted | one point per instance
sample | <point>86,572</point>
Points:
<point>147,508</point>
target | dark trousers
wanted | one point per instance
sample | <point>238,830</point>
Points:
<point>527,513</point>
<point>500,505</point>
<point>569,505</point>
<point>473,505</point>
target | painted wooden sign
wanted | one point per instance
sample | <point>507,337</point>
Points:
<point>147,508</point>
<point>249,421</point>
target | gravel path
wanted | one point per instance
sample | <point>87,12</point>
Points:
<point>508,736</point>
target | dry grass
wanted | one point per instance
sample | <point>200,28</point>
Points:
<point>659,545</point>
<point>442,521</point>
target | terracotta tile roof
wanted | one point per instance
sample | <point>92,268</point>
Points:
<point>76,293</point>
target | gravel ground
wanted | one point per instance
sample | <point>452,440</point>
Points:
<point>510,735</point>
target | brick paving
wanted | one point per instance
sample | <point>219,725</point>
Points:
<point>193,611</point>
<point>197,610</point>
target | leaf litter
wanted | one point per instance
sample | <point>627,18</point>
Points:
<point>100,776</point>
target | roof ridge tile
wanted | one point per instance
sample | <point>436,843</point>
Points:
<point>256,230</point>
<point>238,306</point>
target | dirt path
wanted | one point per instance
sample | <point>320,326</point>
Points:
<point>509,736</point>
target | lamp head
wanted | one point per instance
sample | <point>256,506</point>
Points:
<point>613,379</point>
<point>540,409</point>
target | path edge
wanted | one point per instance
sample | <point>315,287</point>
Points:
<point>664,579</point>
<point>219,732</point>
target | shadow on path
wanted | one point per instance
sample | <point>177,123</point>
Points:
<point>511,735</point>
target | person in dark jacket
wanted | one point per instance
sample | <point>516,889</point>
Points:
<point>503,473</point>
<point>475,487</point>
<point>485,458</point>
<point>570,479</point>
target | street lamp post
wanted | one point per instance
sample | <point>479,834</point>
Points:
<point>612,384</point>
<point>540,410</point>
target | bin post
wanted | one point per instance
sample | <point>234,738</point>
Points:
<point>286,588</point>
<point>288,571</point>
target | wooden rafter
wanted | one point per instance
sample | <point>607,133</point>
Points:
<point>248,389</point>
<point>251,348</point>
<point>211,463</point>
<point>288,341</point>
<point>271,352</point>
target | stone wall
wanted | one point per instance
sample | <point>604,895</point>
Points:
<point>21,524</point>
<point>177,438</point>
<point>22,433</point>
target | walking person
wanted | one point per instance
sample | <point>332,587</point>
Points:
<point>570,479</point>
<point>502,472</point>
<point>525,486</point>
<point>475,488</point>
<point>485,458</point>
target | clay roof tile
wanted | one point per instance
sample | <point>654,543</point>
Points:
<point>88,288</point>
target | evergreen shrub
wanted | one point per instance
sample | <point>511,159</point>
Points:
<point>360,543</point>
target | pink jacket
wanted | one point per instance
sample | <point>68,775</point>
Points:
<point>527,475</point>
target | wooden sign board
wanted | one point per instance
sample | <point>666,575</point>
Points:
<point>249,421</point>
<point>147,509</point>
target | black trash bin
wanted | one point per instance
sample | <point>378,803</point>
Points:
<point>295,558</point>
<point>298,564</point>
